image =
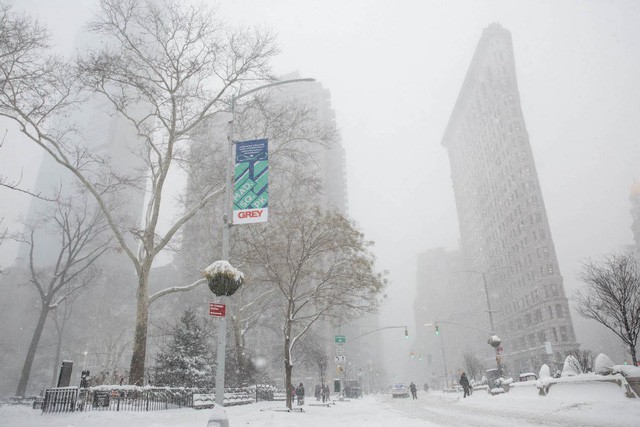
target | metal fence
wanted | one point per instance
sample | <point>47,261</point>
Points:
<point>131,398</point>
<point>69,399</point>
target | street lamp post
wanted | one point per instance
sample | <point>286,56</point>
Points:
<point>444,358</point>
<point>227,223</point>
<point>490,311</point>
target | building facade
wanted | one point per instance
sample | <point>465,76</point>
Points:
<point>503,222</point>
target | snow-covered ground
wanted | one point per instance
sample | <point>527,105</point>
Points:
<point>599,405</point>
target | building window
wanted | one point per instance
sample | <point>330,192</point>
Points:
<point>550,311</point>
<point>555,334</point>
<point>559,310</point>
<point>542,337</point>
<point>538,315</point>
<point>563,334</point>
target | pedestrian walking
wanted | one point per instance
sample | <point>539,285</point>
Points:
<point>300,394</point>
<point>325,393</point>
<point>414,390</point>
<point>464,382</point>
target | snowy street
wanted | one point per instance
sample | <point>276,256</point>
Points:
<point>600,406</point>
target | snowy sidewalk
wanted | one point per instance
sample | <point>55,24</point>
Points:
<point>589,407</point>
<point>368,411</point>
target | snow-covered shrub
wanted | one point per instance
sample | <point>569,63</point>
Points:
<point>545,372</point>
<point>223,278</point>
<point>603,365</point>
<point>571,367</point>
<point>186,361</point>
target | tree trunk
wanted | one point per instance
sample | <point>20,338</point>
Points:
<point>288,366</point>
<point>31,353</point>
<point>136,368</point>
<point>56,359</point>
<point>634,358</point>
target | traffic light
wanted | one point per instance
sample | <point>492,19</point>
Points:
<point>406,333</point>
<point>437,329</point>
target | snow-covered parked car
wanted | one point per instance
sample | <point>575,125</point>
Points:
<point>527,376</point>
<point>399,390</point>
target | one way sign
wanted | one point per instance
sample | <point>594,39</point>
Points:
<point>341,358</point>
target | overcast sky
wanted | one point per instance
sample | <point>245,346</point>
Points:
<point>394,69</point>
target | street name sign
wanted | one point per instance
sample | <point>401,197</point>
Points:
<point>341,338</point>
<point>218,310</point>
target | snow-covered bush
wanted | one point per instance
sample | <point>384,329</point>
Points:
<point>603,365</point>
<point>545,372</point>
<point>186,361</point>
<point>571,367</point>
<point>223,278</point>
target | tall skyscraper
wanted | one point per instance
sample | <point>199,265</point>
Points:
<point>503,222</point>
<point>303,105</point>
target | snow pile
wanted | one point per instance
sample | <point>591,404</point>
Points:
<point>571,367</point>
<point>503,381</point>
<point>603,365</point>
<point>545,372</point>
<point>627,370</point>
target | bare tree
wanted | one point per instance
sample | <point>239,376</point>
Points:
<point>321,266</point>
<point>316,358</point>
<point>165,68</point>
<point>612,297</point>
<point>584,360</point>
<point>472,364</point>
<point>61,316</point>
<point>80,241</point>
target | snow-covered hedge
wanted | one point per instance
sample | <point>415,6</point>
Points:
<point>603,365</point>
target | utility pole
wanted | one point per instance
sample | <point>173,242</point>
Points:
<point>226,230</point>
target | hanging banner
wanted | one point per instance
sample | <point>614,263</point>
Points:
<point>251,197</point>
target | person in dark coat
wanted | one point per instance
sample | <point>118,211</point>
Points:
<point>300,394</point>
<point>414,390</point>
<point>464,382</point>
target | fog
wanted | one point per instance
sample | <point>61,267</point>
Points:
<point>394,70</point>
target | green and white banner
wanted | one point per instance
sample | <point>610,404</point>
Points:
<point>251,196</point>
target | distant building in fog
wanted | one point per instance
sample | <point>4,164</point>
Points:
<point>441,297</point>
<point>503,221</point>
<point>635,213</point>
